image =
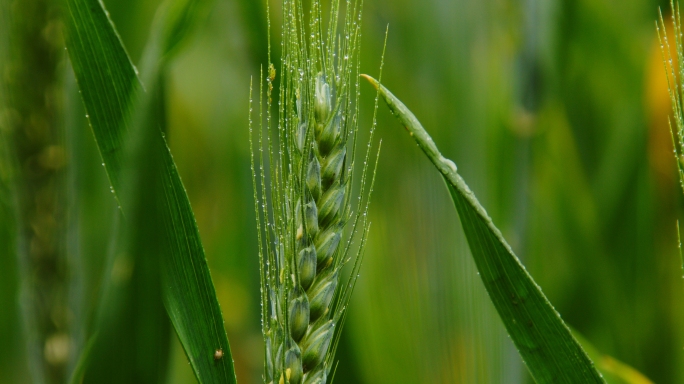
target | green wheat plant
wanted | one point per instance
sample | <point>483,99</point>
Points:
<point>309,224</point>
<point>675,86</point>
<point>313,166</point>
<point>675,82</point>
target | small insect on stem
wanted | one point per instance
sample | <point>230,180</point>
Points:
<point>218,354</point>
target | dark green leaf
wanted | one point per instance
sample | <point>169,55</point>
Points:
<point>118,111</point>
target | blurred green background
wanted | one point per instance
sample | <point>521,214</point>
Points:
<point>554,110</point>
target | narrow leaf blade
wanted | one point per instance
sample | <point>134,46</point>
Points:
<point>544,341</point>
<point>111,94</point>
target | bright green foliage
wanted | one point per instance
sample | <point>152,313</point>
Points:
<point>549,110</point>
<point>311,157</point>
<point>122,119</point>
<point>544,341</point>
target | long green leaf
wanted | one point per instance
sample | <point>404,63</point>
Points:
<point>111,94</point>
<point>544,341</point>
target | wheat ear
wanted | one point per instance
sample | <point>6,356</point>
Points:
<point>308,227</point>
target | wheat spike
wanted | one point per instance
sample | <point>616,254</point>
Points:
<point>308,227</point>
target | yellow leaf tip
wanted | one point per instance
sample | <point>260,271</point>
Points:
<point>371,80</point>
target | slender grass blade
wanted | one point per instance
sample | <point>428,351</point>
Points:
<point>116,105</point>
<point>545,343</point>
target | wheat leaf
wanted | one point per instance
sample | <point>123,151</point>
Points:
<point>112,96</point>
<point>551,353</point>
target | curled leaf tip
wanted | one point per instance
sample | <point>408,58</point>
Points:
<point>371,80</point>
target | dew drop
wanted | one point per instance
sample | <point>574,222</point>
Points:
<point>449,163</point>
